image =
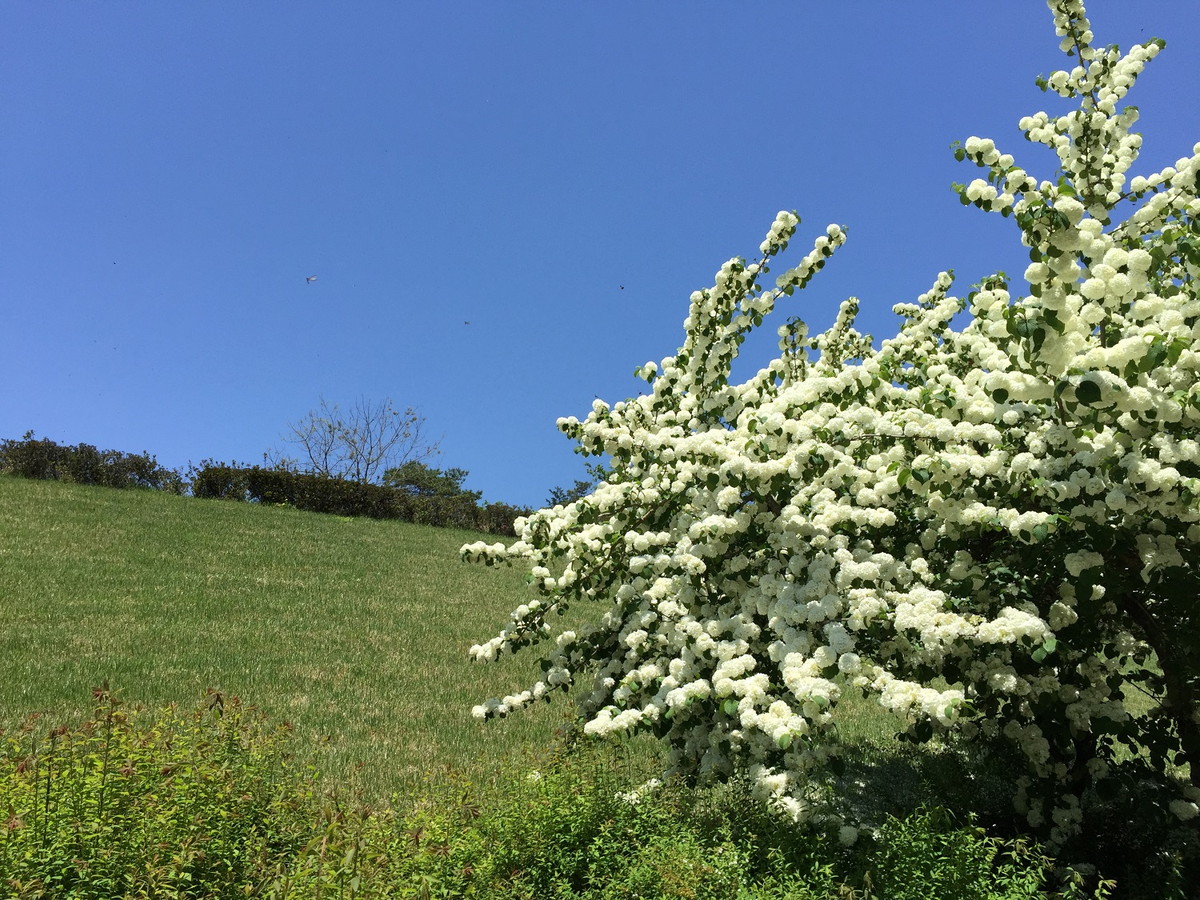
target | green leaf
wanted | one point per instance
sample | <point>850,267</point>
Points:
<point>1088,393</point>
<point>1000,395</point>
<point>730,707</point>
<point>1176,349</point>
<point>1154,356</point>
<point>784,741</point>
<point>1039,655</point>
<point>1039,338</point>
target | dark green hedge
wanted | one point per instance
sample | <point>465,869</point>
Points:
<point>338,496</point>
<point>45,460</point>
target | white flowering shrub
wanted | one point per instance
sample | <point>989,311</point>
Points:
<point>989,522</point>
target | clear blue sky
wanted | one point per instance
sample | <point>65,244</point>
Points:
<point>171,172</point>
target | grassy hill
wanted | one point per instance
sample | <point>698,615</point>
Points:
<point>354,630</point>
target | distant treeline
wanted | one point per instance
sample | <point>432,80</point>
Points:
<point>84,464</point>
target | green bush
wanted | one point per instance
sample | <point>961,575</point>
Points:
<point>193,805</point>
<point>420,480</point>
<point>498,518</point>
<point>210,803</point>
<point>42,459</point>
<point>46,460</point>
<point>343,497</point>
<point>925,856</point>
<point>218,481</point>
<point>578,830</point>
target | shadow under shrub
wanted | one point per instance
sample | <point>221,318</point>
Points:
<point>971,780</point>
<point>1130,834</point>
<point>583,828</point>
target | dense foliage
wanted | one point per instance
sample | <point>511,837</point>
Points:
<point>989,523</point>
<point>193,804</point>
<point>44,459</point>
<point>421,480</point>
<point>344,497</point>
<point>210,803</point>
<point>412,492</point>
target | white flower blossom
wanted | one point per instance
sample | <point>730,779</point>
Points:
<point>973,496</point>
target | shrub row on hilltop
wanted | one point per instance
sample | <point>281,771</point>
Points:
<point>342,497</point>
<point>44,459</point>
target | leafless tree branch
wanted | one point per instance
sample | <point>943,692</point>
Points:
<point>361,442</point>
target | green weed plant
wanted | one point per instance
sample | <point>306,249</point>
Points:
<point>212,803</point>
<point>193,804</point>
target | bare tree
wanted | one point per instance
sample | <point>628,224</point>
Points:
<point>359,443</point>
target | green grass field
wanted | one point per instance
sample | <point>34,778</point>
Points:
<point>356,631</point>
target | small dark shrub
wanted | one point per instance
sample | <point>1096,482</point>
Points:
<point>31,458</point>
<point>218,481</point>
<point>498,518</point>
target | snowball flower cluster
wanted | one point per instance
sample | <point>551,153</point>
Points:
<point>1006,494</point>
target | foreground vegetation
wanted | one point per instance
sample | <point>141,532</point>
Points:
<point>360,771</point>
<point>209,803</point>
